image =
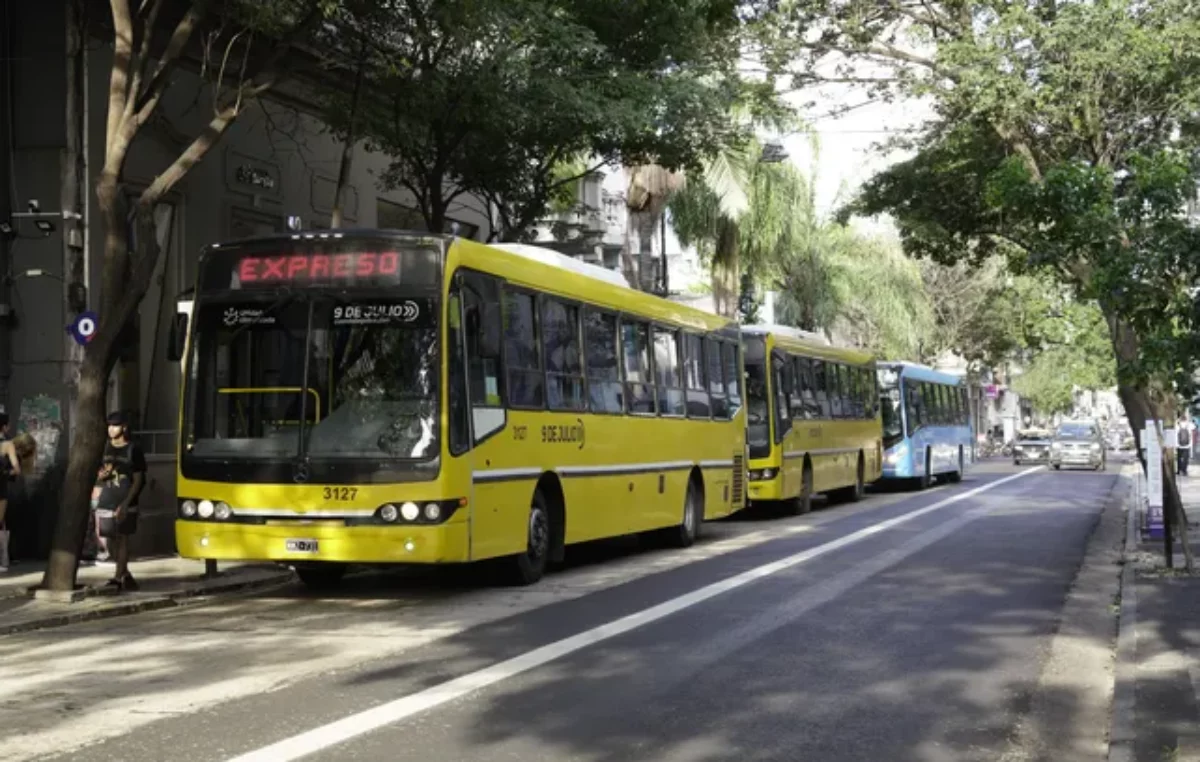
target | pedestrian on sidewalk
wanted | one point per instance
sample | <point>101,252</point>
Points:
<point>10,469</point>
<point>1183,452</point>
<point>120,481</point>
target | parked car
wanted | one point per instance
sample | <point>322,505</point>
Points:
<point>1032,446</point>
<point>1078,443</point>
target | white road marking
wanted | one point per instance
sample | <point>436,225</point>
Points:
<point>356,725</point>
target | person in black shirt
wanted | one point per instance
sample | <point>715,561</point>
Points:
<point>122,477</point>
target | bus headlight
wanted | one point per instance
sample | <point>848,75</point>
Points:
<point>410,511</point>
<point>222,511</point>
<point>389,513</point>
<point>433,512</point>
<point>187,509</point>
<point>205,509</point>
<point>763,474</point>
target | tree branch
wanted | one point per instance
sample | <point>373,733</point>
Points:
<point>148,100</point>
<point>118,86</point>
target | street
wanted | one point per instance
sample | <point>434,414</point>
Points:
<point>912,626</point>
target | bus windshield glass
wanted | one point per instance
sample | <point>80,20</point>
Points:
<point>890,403</point>
<point>371,387</point>
<point>758,427</point>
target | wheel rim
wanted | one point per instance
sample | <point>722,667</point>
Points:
<point>539,533</point>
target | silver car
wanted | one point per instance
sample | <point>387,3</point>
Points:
<point>1080,444</point>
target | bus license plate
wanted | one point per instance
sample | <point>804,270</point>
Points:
<point>301,546</point>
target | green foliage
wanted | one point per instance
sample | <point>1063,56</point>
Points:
<point>497,98</point>
<point>1064,141</point>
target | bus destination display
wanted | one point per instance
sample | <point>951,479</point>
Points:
<point>300,269</point>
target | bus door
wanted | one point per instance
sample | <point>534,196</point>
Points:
<point>478,414</point>
<point>782,386</point>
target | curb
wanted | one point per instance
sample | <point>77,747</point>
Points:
<point>190,597</point>
<point>1122,733</point>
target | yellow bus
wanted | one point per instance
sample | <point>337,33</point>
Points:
<point>813,418</point>
<point>384,397</point>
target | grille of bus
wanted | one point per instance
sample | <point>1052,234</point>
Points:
<point>739,479</point>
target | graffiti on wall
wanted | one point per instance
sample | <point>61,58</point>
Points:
<point>41,417</point>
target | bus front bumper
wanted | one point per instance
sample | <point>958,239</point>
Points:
<point>300,543</point>
<point>766,489</point>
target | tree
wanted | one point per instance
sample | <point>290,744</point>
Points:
<point>493,98</point>
<point>254,39</point>
<point>1063,140</point>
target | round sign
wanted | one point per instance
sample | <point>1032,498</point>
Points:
<point>83,329</point>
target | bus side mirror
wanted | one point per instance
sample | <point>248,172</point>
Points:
<point>178,338</point>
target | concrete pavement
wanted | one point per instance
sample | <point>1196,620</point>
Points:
<point>924,639</point>
<point>163,583</point>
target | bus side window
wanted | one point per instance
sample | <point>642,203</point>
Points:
<point>783,386</point>
<point>820,372</point>
<point>603,364</point>
<point>667,375</point>
<point>481,309</point>
<point>716,380</point>
<point>836,393</point>
<point>694,385</point>
<point>635,351</point>
<point>460,422</point>
<point>733,375</point>
<point>799,384</point>
<point>564,365</point>
<point>522,352</point>
<point>916,417</point>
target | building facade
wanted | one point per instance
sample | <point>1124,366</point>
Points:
<point>276,162</point>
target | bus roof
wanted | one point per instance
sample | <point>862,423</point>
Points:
<point>921,372</point>
<point>787,330</point>
<point>555,273</point>
<point>558,259</point>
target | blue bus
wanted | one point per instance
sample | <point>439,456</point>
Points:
<point>926,424</point>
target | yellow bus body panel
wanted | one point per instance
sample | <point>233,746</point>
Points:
<point>619,474</point>
<point>832,446</point>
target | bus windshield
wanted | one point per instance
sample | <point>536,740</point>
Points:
<point>351,376</point>
<point>890,404</point>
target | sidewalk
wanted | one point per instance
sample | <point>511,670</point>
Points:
<point>164,582</point>
<point>1163,621</point>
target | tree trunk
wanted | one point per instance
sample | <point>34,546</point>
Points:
<point>726,284</point>
<point>339,196</point>
<point>87,447</point>
<point>629,266</point>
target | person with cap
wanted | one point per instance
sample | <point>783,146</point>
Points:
<point>119,484</point>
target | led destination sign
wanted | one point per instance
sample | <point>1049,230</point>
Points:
<point>319,268</point>
<point>327,265</point>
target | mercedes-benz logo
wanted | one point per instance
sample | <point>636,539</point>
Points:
<point>300,473</point>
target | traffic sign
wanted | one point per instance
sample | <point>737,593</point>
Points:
<point>83,328</point>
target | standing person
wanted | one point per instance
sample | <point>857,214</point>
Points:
<point>121,479</point>
<point>1183,453</point>
<point>10,468</point>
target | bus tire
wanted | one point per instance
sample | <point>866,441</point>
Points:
<point>957,476</point>
<point>798,506</point>
<point>685,534</point>
<point>856,492</point>
<point>321,576</point>
<point>925,481</point>
<point>528,567</point>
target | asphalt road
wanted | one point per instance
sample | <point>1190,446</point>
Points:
<point>909,627</point>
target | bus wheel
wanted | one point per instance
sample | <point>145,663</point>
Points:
<point>798,506</point>
<point>321,576</point>
<point>926,480</point>
<point>529,567</point>
<point>685,534</point>
<point>856,492</point>
<point>957,476</point>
